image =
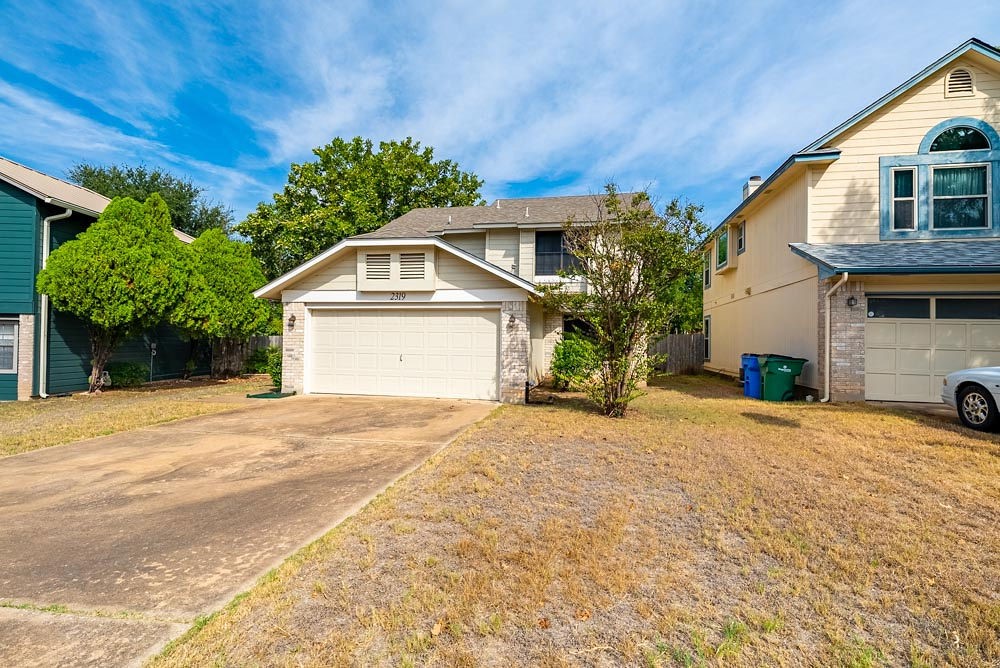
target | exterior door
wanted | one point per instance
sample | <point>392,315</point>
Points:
<point>405,352</point>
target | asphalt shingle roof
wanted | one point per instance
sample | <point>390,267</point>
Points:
<point>913,257</point>
<point>523,211</point>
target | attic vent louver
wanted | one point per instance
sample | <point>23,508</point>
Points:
<point>959,83</point>
<point>377,266</point>
<point>411,266</point>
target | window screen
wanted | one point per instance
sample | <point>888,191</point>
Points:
<point>888,307</point>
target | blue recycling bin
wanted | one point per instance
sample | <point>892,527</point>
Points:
<point>751,375</point>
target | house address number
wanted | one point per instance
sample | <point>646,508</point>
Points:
<point>397,296</point>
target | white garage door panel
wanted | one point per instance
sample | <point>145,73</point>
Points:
<point>418,353</point>
<point>906,358</point>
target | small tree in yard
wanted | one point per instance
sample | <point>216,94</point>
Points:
<point>121,276</point>
<point>220,303</point>
<point>635,263</point>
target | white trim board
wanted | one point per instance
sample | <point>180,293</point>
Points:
<point>385,298</point>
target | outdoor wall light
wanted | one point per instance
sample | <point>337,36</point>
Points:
<point>291,321</point>
<point>852,301</point>
<point>511,321</point>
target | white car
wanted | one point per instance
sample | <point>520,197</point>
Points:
<point>974,392</point>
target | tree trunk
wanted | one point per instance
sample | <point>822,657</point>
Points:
<point>102,344</point>
<point>227,358</point>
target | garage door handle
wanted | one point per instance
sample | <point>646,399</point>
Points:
<point>400,357</point>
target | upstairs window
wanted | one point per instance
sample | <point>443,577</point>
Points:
<point>722,250</point>
<point>741,237</point>
<point>960,139</point>
<point>904,202</point>
<point>8,346</point>
<point>960,197</point>
<point>551,255</point>
<point>706,270</point>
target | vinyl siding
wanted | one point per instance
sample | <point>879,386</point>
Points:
<point>502,249</point>
<point>18,252</point>
<point>470,243</point>
<point>526,261</point>
<point>342,274</point>
<point>8,386</point>
<point>454,273</point>
<point>767,303</point>
<point>844,203</point>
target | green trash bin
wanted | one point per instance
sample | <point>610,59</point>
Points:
<point>778,374</point>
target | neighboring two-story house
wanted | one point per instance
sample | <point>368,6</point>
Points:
<point>874,252</point>
<point>44,352</point>
<point>441,302</point>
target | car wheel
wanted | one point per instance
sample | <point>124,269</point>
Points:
<point>976,408</point>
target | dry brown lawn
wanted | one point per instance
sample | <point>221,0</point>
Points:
<point>29,425</point>
<point>704,529</point>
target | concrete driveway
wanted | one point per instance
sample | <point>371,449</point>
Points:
<point>112,546</point>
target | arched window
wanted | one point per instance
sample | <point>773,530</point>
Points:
<point>960,138</point>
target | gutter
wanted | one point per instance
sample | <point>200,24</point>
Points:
<point>827,342</point>
<point>43,324</point>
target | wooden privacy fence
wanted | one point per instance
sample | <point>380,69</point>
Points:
<point>685,352</point>
<point>229,356</point>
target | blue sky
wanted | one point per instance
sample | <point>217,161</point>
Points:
<point>687,98</point>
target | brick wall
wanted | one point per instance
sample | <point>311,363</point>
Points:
<point>847,331</point>
<point>293,349</point>
<point>552,332</point>
<point>25,357</point>
<point>514,347</point>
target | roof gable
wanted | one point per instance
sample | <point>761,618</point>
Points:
<point>974,46</point>
<point>274,289</point>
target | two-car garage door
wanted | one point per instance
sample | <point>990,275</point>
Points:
<point>912,342</point>
<point>404,352</point>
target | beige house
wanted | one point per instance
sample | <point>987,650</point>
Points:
<point>441,302</point>
<point>875,251</point>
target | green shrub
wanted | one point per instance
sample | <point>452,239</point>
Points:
<point>258,360</point>
<point>128,374</point>
<point>274,366</point>
<point>574,360</point>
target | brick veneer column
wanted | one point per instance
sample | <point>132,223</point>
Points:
<point>847,331</point>
<point>552,332</point>
<point>25,357</point>
<point>293,348</point>
<point>514,347</point>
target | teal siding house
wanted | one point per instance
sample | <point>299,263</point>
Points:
<point>44,352</point>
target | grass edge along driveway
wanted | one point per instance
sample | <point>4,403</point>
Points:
<point>705,529</point>
<point>42,423</point>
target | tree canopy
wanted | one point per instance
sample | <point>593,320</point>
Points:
<point>351,188</point>
<point>190,212</point>
<point>120,276</point>
<point>636,264</point>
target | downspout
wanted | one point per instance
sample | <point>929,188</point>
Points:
<point>43,316</point>
<point>826,361</point>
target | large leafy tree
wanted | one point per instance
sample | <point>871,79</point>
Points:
<point>120,276</point>
<point>219,303</point>
<point>351,188</point>
<point>190,211</point>
<point>636,263</point>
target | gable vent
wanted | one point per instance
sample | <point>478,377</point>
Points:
<point>411,266</point>
<point>959,83</point>
<point>377,266</point>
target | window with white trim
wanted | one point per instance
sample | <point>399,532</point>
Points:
<point>960,197</point>
<point>8,346</point>
<point>904,201</point>
<point>706,270</point>
<point>741,237</point>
